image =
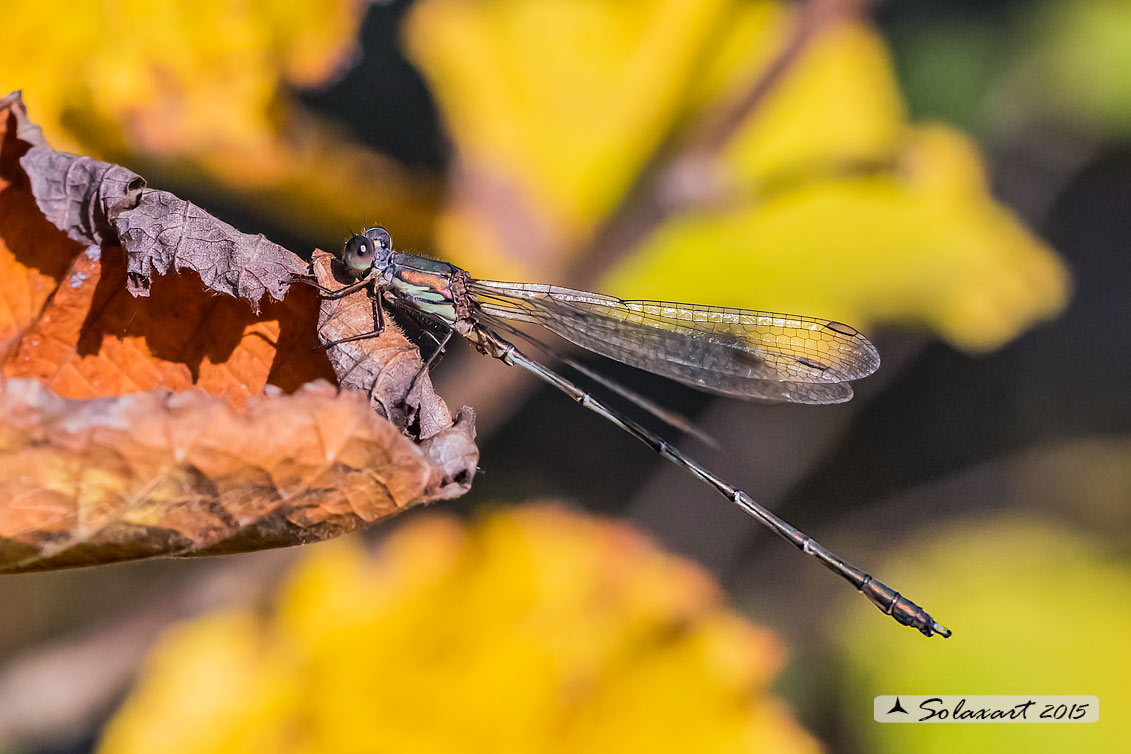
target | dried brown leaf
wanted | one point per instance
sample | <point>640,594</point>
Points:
<point>34,257</point>
<point>107,479</point>
<point>97,469</point>
<point>72,321</point>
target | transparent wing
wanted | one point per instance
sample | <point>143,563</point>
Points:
<point>737,352</point>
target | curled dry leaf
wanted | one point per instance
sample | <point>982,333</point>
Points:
<point>108,479</point>
<point>91,340</point>
<point>390,370</point>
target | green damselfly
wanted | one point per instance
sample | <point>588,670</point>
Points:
<point>741,353</point>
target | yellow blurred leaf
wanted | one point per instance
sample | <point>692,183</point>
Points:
<point>536,630</point>
<point>201,89</point>
<point>1036,609</point>
<point>600,85</point>
<point>228,690</point>
<point>925,246</point>
<point>564,100</point>
<point>173,76</point>
<point>839,104</point>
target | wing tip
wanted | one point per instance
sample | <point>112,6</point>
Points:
<point>861,352</point>
<point>871,357</point>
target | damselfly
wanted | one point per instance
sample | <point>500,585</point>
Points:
<point>740,353</point>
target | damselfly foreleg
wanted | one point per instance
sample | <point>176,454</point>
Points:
<point>378,317</point>
<point>331,293</point>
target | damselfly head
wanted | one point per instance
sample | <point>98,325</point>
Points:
<point>368,250</point>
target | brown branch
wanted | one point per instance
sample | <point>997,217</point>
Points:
<point>685,172</point>
<point>812,18</point>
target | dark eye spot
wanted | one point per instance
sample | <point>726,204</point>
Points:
<point>812,363</point>
<point>842,328</point>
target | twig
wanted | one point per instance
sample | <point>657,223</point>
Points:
<point>688,175</point>
<point>813,17</point>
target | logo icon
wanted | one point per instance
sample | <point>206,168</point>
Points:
<point>897,707</point>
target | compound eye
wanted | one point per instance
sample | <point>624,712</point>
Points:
<point>380,237</point>
<point>358,253</point>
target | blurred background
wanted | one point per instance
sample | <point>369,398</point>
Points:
<point>951,178</point>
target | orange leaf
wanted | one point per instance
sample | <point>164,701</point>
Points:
<point>96,481</point>
<point>229,465</point>
<point>73,324</point>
